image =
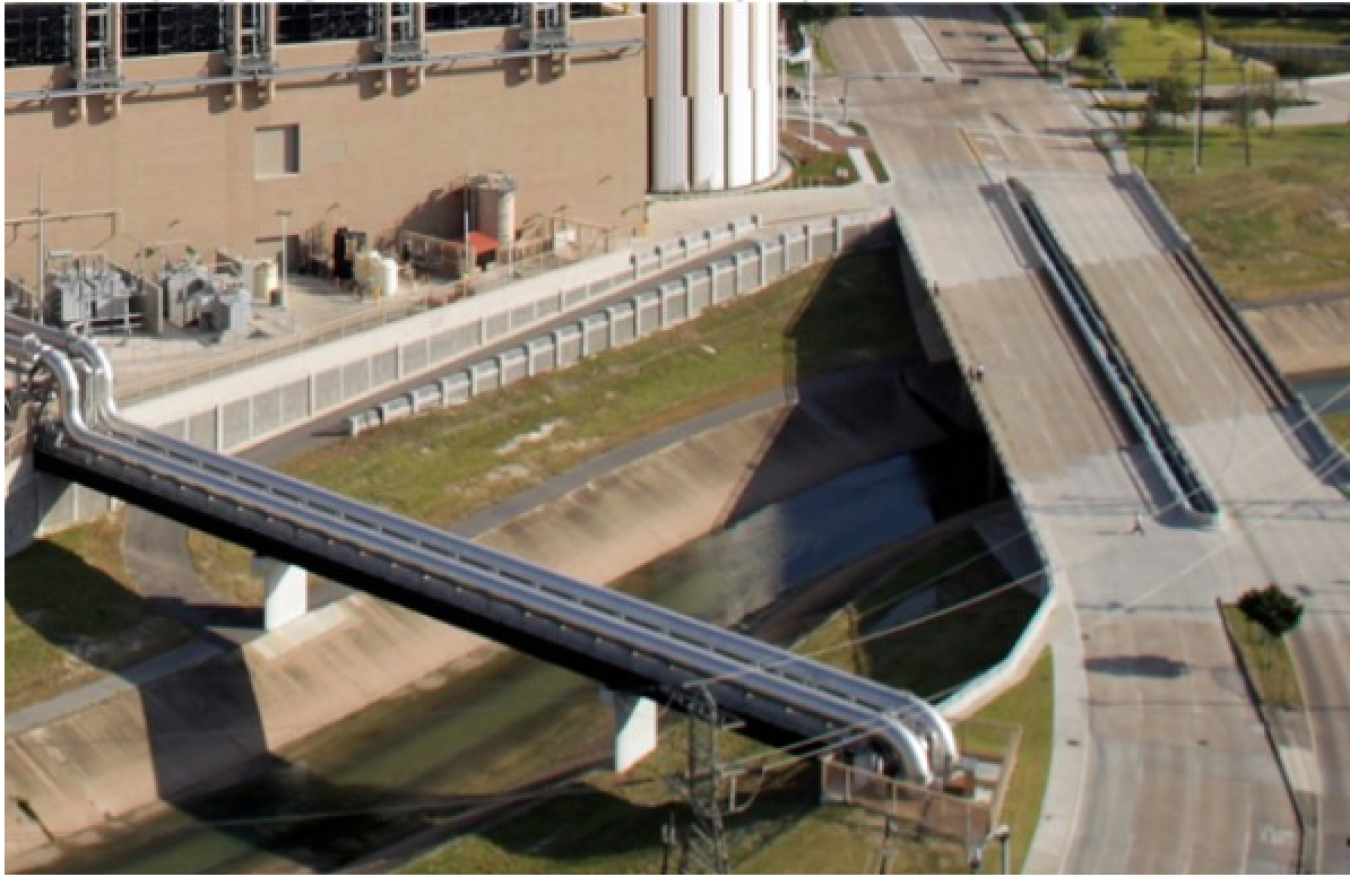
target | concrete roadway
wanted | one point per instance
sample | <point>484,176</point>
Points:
<point>1161,763</point>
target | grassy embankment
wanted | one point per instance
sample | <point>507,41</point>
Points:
<point>71,615</point>
<point>446,465</point>
<point>1277,228</point>
<point>1268,662</point>
<point>1142,53</point>
<point>614,825</point>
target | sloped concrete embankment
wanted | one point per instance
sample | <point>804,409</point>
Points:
<point>201,727</point>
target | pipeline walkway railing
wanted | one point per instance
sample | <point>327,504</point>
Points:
<point>616,639</point>
<point>1189,490</point>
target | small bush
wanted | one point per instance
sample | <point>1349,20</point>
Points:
<point>1273,609</point>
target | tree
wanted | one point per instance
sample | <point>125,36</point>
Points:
<point>1275,611</point>
<point>1271,97</point>
<point>1157,19</point>
<point>1173,94</point>
<point>1056,26</point>
<point>1241,115</point>
<point>1150,118</point>
<point>1096,41</point>
<point>1299,66</point>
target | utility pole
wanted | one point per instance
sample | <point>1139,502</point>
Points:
<point>1198,160</point>
<point>704,850</point>
<point>782,76</point>
<point>281,286</point>
<point>810,86</point>
<point>42,245</point>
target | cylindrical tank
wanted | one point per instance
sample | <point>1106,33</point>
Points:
<point>740,99</point>
<point>668,106</point>
<point>712,89</point>
<point>707,100</point>
<point>265,279</point>
<point>764,83</point>
<point>361,268</point>
<point>388,275</point>
<point>506,217</point>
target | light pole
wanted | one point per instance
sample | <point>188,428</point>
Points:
<point>1000,833</point>
<point>284,215</point>
<point>42,246</point>
<point>811,87</point>
<point>1198,159</point>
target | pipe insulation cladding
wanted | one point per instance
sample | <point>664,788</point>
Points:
<point>712,94</point>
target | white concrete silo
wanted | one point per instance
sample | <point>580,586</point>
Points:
<point>712,77</point>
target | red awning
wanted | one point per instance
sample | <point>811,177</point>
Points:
<point>482,244</point>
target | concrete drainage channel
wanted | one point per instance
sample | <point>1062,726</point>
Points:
<point>644,313</point>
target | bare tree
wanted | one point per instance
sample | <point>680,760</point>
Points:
<point>1271,96</point>
<point>1241,115</point>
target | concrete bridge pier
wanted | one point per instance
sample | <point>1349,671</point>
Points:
<point>287,595</point>
<point>635,728</point>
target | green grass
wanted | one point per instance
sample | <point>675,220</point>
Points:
<point>1339,425</point>
<point>228,568</point>
<point>923,659</point>
<point>448,464</point>
<point>1029,705</point>
<point>1298,31</point>
<point>613,825</point>
<point>1277,228</point>
<point>1144,54</point>
<point>878,167</point>
<point>70,615</point>
<point>1268,662</point>
<point>819,168</point>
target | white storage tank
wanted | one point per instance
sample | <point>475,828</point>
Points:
<point>265,279</point>
<point>712,94</point>
<point>388,276</point>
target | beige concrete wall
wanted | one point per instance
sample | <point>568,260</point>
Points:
<point>180,164</point>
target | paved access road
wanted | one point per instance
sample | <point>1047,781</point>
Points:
<point>1161,763</point>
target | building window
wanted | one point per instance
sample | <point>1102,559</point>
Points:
<point>171,28</point>
<point>319,22</point>
<point>37,34</point>
<point>276,151</point>
<point>462,16</point>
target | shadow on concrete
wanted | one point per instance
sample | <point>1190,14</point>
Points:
<point>1151,666</point>
<point>861,385</point>
<point>195,717</point>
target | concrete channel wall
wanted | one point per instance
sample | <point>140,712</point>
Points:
<point>239,410</point>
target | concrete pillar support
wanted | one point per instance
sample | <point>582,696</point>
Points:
<point>635,728</point>
<point>287,591</point>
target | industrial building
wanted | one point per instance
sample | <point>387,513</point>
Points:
<point>139,132</point>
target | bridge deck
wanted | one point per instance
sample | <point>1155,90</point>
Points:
<point>1155,735</point>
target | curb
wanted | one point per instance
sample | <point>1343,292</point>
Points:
<point>1275,735</point>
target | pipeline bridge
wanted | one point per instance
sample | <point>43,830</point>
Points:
<point>624,643</point>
